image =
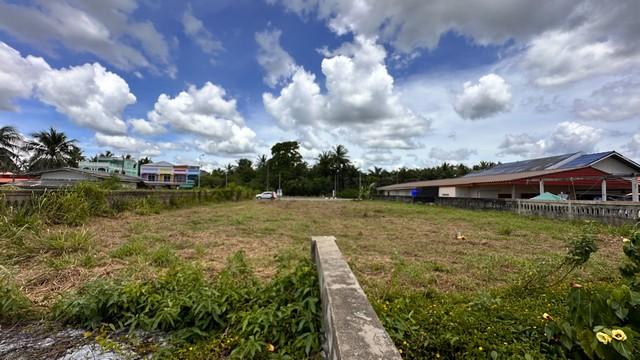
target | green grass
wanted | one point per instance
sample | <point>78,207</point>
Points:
<point>405,257</point>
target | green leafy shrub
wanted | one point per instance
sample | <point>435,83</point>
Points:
<point>14,305</point>
<point>602,323</point>
<point>251,318</point>
<point>349,193</point>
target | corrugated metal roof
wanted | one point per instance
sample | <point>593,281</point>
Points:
<point>522,166</point>
<point>470,180</point>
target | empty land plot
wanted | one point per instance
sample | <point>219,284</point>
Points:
<point>410,246</point>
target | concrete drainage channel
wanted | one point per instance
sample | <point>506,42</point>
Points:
<point>352,328</point>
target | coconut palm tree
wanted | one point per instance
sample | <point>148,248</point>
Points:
<point>9,138</point>
<point>49,150</point>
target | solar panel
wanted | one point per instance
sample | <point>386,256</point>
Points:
<point>585,160</point>
<point>522,166</point>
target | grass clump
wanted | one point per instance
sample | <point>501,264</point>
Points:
<point>131,248</point>
<point>66,241</point>
<point>163,257</point>
<point>233,313</point>
<point>14,305</point>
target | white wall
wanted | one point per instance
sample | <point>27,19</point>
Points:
<point>398,192</point>
<point>613,166</point>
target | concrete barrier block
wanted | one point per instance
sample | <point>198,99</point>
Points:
<point>352,328</point>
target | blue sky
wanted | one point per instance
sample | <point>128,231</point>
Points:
<point>409,83</point>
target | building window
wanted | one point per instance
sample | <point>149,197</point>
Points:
<point>151,177</point>
<point>180,178</point>
<point>166,178</point>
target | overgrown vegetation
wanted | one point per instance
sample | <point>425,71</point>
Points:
<point>541,317</point>
<point>14,305</point>
<point>233,314</point>
<point>24,230</point>
<point>602,322</point>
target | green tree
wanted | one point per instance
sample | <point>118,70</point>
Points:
<point>75,156</point>
<point>9,138</point>
<point>244,172</point>
<point>49,150</point>
<point>286,162</point>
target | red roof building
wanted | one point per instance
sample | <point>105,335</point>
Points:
<point>576,176</point>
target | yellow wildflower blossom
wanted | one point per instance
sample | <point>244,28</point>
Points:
<point>603,338</point>
<point>271,348</point>
<point>547,317</point>
<point>625,240</point>
<point>618,334</point>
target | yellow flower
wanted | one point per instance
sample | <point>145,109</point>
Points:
<point>547,317</point>
<point>625,240</point>
<point>618,334</point>
<point>480,348</point>
<point>271,348</point>
<point>603,338</point>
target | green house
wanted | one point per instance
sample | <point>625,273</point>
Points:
<point>111,165</point>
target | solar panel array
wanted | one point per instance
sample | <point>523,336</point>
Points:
<point>522,166</point>
<point>585,160</point>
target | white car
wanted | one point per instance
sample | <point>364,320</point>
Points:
<point>267,195</point>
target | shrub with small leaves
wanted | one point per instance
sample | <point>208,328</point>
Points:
<point>248,318</point>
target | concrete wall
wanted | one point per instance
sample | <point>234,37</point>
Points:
<point>21,198</point>
<point>352,328</point>
<point>610,212</point>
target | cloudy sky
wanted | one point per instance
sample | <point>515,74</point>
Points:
<point>400,83</point>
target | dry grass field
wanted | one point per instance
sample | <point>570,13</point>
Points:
<point>387,244</point>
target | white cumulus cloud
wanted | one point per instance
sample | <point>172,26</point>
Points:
<point>18,75</point>
<point>566,137</point>
<point>206,112</point>
<point>88,94</point>
<point>360,101</point>
<point>491,95</point>
<point>128,144</point>
<point>614,101</point>
<point>194,28</point>
<point>633,146</point>
<point>102,28</point>
<point>456,155</point>
<point>277,63</point>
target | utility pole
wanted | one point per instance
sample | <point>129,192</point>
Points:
<point>359,185</point>
<point>226,178</point>
<point>267,189</point>
<point>279,185</point>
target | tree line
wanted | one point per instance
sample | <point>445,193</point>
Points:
<point>284,167</point>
